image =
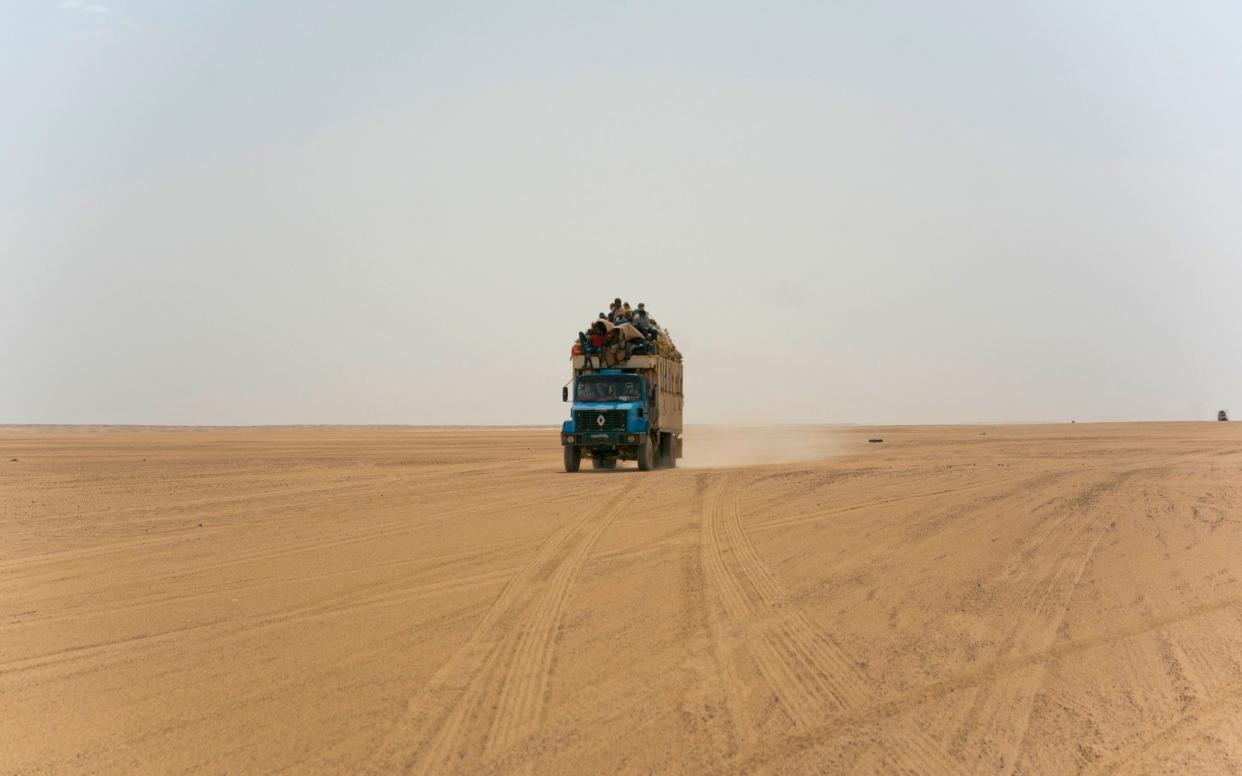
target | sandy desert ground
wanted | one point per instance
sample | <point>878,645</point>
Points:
<point>976,599</point>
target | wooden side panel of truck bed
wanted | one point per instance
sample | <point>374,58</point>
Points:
<point>669,396</point>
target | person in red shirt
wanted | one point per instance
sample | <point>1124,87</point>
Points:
<point>598,335</point>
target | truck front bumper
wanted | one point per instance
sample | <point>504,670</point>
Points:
<point>602,439</point>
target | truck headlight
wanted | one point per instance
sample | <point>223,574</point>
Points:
<point>630,438</point>
<point>569,439</point>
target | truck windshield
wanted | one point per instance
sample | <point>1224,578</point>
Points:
<point>609,388</point>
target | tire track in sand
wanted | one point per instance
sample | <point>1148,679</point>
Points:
<point>810,673</point>
<point>1186,731</point>
<point>1048,573</point>
<point>491,692</point>
<point>526,680</point>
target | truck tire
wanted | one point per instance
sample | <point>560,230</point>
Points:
<point>668,459</point>
<point>604,463</point>
<point>646,455</point>
<point>573,458</point>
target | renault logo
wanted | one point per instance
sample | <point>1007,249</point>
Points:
<point>600,421</point>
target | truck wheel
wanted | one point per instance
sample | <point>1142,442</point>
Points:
<point>604,463</point>
<point>573,458</point>
<point>646,456</point>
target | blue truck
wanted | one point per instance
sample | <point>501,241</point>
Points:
<point>627,411</point>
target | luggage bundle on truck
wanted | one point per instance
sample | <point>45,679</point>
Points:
<point>627,401</point>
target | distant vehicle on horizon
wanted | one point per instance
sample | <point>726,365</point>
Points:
<point>1222,415</point>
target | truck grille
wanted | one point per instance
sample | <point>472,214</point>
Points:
<point>588,420</point>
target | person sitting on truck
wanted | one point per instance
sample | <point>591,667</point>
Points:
<point>650,322</point>
<point>587,343</point>
<point>643,323</point>
<point>598,335</point>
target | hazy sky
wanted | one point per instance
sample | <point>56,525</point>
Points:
<point>325,212</point>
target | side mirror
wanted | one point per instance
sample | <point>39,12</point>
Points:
<point>564,393</point>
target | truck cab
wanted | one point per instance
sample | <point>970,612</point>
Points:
<point>623,413</point>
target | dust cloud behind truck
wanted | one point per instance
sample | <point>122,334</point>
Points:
<point>624,409</point>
